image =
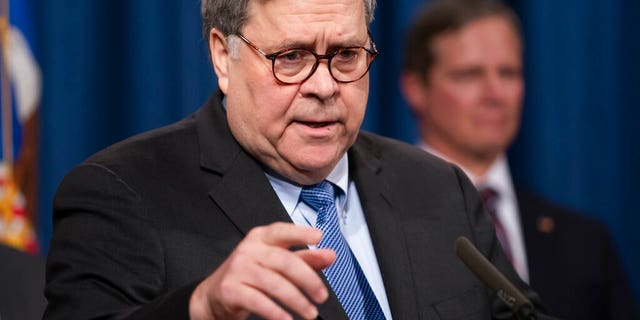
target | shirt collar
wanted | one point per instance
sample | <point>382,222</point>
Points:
<point>498,178</point>
<point>339,176</point>
<point>289,193</point>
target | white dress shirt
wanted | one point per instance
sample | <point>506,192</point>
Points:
<point>352,223</point>
<point>498,178</point>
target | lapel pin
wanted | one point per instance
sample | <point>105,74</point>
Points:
<point>545,224</point>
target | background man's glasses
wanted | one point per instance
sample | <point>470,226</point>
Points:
<point>295,65</point>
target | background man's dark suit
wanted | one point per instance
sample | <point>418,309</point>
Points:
<point>143,221</point>
<point>567,250</point>
<point>21,285</point>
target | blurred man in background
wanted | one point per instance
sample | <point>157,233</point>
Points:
<point>462,77</point>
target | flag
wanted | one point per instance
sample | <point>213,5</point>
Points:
<point>21,89</point>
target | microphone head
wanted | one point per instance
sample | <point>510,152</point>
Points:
<point>490,276</point>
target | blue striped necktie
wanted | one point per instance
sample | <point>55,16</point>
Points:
<point>345,276</point>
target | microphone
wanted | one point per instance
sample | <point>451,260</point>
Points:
<point>487,273</point>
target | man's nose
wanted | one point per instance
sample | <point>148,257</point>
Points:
<point>494,86</point>
<point>321,83</point>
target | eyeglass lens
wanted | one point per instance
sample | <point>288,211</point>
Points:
<point>346,64</point>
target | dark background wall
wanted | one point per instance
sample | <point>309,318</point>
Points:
<point>115,68</point>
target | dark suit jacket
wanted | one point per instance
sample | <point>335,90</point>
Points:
<point>21,285</point>
<point>138,225</point>
<point>572,263</point>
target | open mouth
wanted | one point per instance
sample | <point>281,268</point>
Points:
<point>316,124</point>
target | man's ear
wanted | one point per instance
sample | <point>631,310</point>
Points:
<point>414,90</point>
<point>219,51</point>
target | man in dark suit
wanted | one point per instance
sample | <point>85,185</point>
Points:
<point>219,215</point>
<point>21,285</point>
<point>463,80</point>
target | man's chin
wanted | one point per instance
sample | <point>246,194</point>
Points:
<point>306,173</point>
<point>488,152</point>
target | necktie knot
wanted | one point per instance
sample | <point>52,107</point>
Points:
<point>318,196</point>
<point>489,196</point>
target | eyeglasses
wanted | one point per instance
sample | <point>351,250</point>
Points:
<point>296,65</point>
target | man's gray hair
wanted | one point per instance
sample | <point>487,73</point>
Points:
<point>229,16</point>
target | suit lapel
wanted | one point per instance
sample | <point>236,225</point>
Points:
<point>238,190</point>
<point>367,170</point>
<point>242,179</point>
